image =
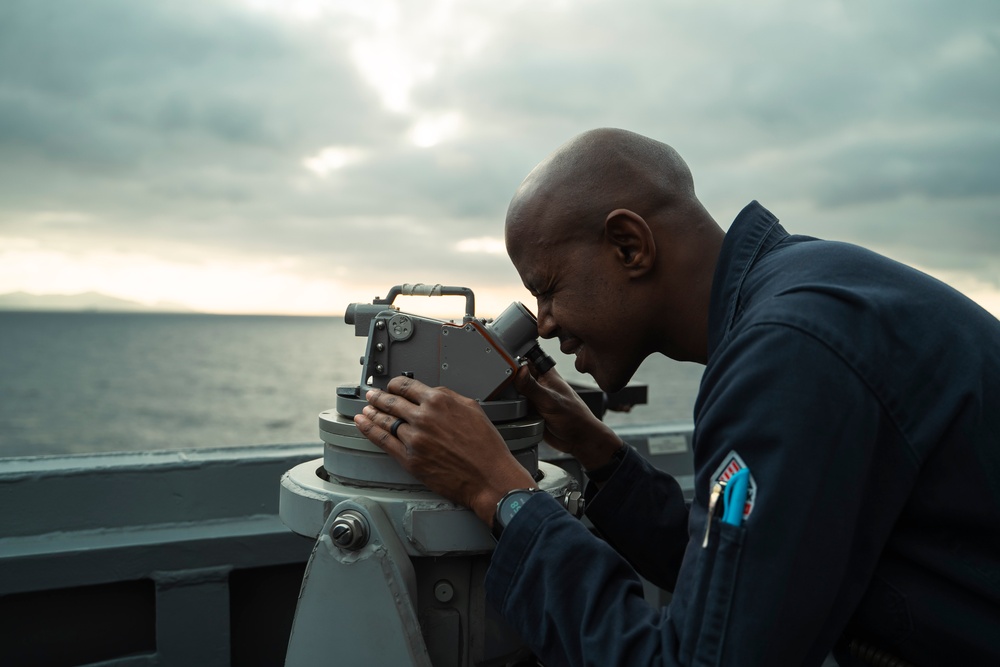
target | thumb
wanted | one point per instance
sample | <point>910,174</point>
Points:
<point>526,383</point>
<point>538,394</point>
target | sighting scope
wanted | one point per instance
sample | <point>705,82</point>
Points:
<point>476,358</point>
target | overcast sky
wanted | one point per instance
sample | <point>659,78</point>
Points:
<point>291,157</point>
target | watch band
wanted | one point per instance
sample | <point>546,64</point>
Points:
<point>509,506</point>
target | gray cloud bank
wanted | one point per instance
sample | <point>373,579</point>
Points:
<point>180,129</point>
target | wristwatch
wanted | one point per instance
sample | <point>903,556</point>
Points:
<point>509,505</point>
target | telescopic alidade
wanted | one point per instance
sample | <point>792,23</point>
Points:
<point>476,358</point>
<point>396,575</point>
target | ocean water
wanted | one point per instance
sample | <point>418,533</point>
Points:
<point>98,382</point>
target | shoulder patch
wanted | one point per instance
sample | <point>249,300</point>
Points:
<point>731,463</point>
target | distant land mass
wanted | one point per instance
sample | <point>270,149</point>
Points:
<point>85,301</point>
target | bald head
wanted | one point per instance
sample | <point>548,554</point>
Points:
<point>608,229</point>
<point>570,193</point>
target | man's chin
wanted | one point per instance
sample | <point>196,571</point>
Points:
<point>608,384</point>
<point>611,380</point>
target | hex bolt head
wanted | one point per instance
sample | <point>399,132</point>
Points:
<point>349,530</point>
<point>444,591</point>
<point>380,324</point>
<point>574,503</point>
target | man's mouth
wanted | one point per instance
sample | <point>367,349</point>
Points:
<point>570,346</point>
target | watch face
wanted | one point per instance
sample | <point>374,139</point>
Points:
<point>511,505</point>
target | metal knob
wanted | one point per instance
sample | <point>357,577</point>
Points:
<point>349,530</point>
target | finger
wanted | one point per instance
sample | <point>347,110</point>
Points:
<point>551,379</point>
<point>525,381</point>
<point>409,388</point>
<point>389,403</point>
<point>539,392</point>
<point>380,437</point>
<point>382,419</point>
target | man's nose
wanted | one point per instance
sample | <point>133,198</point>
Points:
<point>547,327</point>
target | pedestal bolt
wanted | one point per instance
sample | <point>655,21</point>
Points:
<point>444,591</point>
<point>349,530</point>
<point>574,503</point>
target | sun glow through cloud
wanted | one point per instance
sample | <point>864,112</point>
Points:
<point>332,158</point>
<point>431,130</point>
<point>218,286</point>
<point>488,245</point>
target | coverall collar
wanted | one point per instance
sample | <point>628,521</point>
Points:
<point>753,233</point>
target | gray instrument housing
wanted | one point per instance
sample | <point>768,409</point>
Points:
<point>476,358</point>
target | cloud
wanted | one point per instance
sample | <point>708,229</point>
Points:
<point>369,140</point>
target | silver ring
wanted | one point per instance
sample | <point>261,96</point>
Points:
<point>395,426</point>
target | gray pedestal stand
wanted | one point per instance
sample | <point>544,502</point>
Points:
<point>396,575</point>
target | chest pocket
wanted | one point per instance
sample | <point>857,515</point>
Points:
<point>708,614</point>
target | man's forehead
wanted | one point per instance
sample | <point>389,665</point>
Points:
<point>529,269</point>
<point>530,262</point>
<point>523,240</point>
<point>538,240</point>
<point>534,229</point>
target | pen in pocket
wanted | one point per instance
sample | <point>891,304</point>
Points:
<point>735,499</point>
<point>712,500</point>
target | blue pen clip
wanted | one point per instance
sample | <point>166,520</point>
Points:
<point>736,497</point>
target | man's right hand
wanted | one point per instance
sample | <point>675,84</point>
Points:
<point>570,426</point>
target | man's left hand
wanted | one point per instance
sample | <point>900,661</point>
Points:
<point>445,441</point>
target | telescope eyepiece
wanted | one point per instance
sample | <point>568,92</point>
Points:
<point>541,361</point>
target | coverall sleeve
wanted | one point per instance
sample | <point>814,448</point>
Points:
<point>778,589</point>
<point>640,511</point>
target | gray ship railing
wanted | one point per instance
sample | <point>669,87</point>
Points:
<point>174,557</point>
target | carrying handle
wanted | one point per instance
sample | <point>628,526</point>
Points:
<point>422,289</point>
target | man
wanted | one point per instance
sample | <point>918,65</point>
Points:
<point>862,396</point>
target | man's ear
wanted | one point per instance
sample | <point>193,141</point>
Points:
<point>632,239</point>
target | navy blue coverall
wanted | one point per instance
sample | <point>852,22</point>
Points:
<point>864,396</point>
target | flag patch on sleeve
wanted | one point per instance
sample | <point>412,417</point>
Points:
<point>731,463</point>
